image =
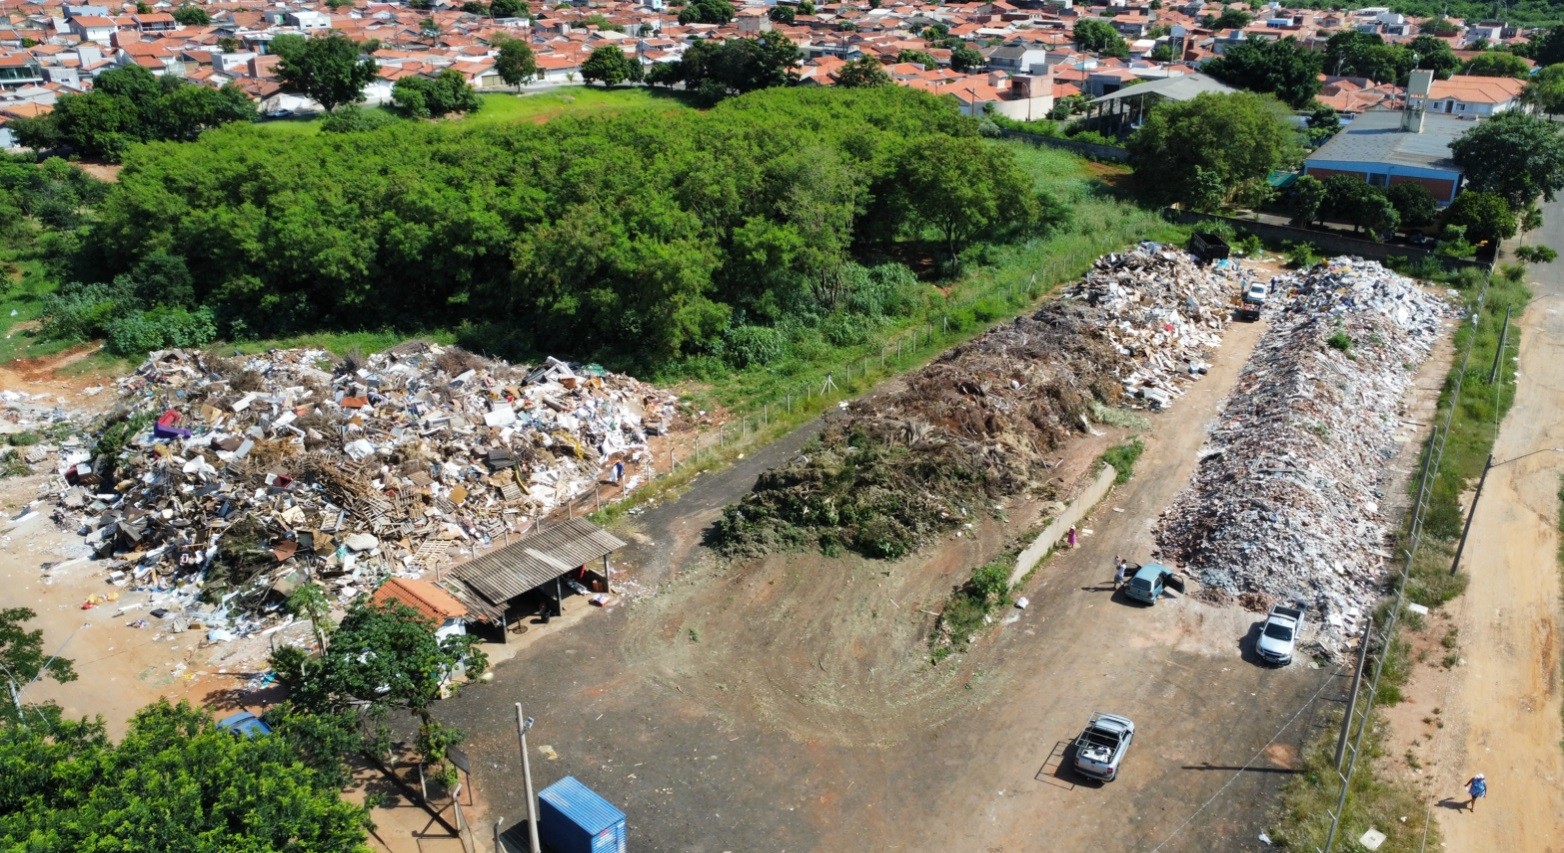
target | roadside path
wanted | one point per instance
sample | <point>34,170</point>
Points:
<point>1505,702</point>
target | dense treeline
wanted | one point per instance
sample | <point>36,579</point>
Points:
<point>640,237</point>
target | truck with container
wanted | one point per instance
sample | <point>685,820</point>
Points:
<point>1250,299</point>
<point>1102,744</point>
<point>1279,634</point>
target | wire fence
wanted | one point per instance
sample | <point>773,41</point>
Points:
<point>1360,707</point>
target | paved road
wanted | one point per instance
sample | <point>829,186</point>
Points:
<point>1505,700</point>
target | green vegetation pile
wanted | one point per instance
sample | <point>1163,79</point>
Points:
<point>986,420</point>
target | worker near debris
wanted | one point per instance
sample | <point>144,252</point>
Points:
<point>1119,571</point>
<point>1477,787</point>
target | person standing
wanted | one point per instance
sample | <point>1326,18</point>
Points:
<point>1477,787</point>
<point>1119,572</point>
<point>1070,537</point>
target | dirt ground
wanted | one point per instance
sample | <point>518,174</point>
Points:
<point>787,705</point>
<point>1502,701</point>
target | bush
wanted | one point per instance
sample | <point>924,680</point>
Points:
<point>1536,254</point>
<point>351,118</point>
<point>160,328</point>
<point>81,311</point>
<point>1339,341</point>
<point>847,330</point>
<point>1302,255</point>
<point>743,346</point>
<point>1123,457</point>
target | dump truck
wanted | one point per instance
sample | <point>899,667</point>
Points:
<point>1250,299</point>
<point>1279,634</point>
<point>1101,746</point>
<point>1208,247</point>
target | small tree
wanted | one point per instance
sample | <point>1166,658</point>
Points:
<point>1305,199</point>
<point>863,72</point>
<point>1545,92</point>
<point>707,12</point>
<point>783,15</point>
<point>516,63</point>
<point>330,70</point>
<point>22,662</point>
<point>1414,203</point>
<point>192,15</point>
<point>967,60</point>
<point>1484,216</point>
<point>607,65</point>
<point>1494,63</point>
<point>1352,200</point>
<point>1232,138</point>
<point>1100,37</point>
<point>964,187</point>
<point>508,8</point>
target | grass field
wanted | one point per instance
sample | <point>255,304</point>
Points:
<point>536,107</point>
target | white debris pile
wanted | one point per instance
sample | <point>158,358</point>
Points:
<point>220,483</point>
<point>1285,501</point>
<point>1162,312</point>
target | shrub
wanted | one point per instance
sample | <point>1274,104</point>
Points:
<point>847,330</point>
<point>1122,457</point>
<point>80,311</point>
<point>1301,255</point>
<point>351,118</point>
<point>1339,341</point>
<point>743,346</point>
<point>160,328</point>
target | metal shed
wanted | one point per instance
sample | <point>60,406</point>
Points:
<point>491,582</point>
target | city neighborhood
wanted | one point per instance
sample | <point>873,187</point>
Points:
<point>693,425</point>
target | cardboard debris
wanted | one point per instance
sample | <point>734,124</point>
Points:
<point>245,472</point>
<point>1286,499</point>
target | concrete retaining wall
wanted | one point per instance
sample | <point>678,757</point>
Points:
<point>1329,242</point>
<point>1077,510</point>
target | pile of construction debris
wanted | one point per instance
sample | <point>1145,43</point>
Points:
<point>984,420</point>
<point>226,480</point>
<point>1286,499</point>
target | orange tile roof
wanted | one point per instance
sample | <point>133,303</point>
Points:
<point>422,596</point>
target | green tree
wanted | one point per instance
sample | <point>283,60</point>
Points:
<point>1548,49</point>
<point>1494,63</point>
<point>1281,67</point>
<point>863,71</point>
<point>967,60</point>
<point>509,9</point>
<point>429,28</point>
<point>381,658</point>
<point>331,70</point>
<point>474,7</point>
<point>917,56</point>
<point>1354,54</point>
<point>22,662</point>
<point>607,65</point>
<point>1515,154</point>
<point>1165,51</point>
<point>1100,37</point>
<point>516,63</point>
<point>1352,200</point>
<point>706,12</point>
<point>1414,203</point>
<point>1440,26</point>
<point>309,601</point>
<point>783,15</point>
<point>1232,18</point>
<point>1304,200</point>
<point>964,187</point>
<point>1435,54</point>
<point>1485,216</point>
<point>1545,92</point>
<point>175,782</point>
<point>715,70</point>
<point>1233,137</point>
<point>441,95</point>
<point>192,15</point>
<point>1324,122</point>
<point>806,7</point>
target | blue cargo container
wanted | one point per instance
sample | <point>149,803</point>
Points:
<point>572,818</point>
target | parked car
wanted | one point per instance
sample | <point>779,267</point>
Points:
<point>1101,747</point>
<point>1149,581</point>
<point>1279,635</point>
<point>244,724</point>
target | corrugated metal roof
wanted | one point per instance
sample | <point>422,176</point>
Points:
<point>523,566</point>
<point>1377,137</point>
<point>1182,88</point>
<point>581,805</point>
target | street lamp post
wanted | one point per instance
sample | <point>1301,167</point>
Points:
<point>522,725</point>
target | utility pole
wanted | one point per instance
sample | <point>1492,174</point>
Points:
<point>522,725</point>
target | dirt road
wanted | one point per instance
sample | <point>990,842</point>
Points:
<point>715,714</point>
<point>1504,703</point>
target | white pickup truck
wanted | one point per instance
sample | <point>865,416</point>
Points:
<point>1279,634</point>
<point>1102,745</point>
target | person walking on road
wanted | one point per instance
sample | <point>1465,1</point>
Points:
<point>1070,537</point>
<point>1477,786</point>
<point>1119,572</point>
